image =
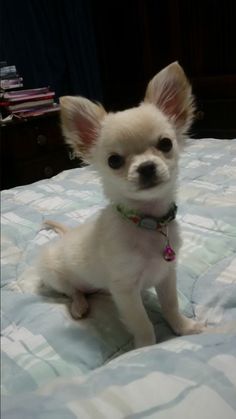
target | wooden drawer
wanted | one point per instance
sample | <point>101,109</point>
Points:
<point>17,173</point>
<point>33,138</point>
<point>44,167</point>
<point>33,150</point>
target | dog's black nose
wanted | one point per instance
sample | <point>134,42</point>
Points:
<point>147,170</point>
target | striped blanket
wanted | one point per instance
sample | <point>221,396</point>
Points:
<point>56,367</point>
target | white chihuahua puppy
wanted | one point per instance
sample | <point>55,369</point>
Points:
<point>134,242</point>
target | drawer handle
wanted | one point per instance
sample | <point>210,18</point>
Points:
<point>41,140</point>
<point>199,115</point>
<point>48,171</point>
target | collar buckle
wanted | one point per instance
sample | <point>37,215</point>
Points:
<point>148,222</point>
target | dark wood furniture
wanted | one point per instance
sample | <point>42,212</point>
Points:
<point>33,149</point>
<point>137,38</point>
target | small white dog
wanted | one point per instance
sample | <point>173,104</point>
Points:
<point>134,241</point>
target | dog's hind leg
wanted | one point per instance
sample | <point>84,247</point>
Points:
<point>79,306</point>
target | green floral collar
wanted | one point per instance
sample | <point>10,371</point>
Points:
<point>148,222</point>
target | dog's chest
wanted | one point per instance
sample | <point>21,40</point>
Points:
<point>150,250</point>
<point>147,248</point>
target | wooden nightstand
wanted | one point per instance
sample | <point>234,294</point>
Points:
<point>33,149</point>
<point>198,34</point>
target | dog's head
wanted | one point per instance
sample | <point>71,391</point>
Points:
<point>135,151</point>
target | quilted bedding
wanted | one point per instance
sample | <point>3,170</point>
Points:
<point>56,367</point>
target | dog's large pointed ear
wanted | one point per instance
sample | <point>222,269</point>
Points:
<point>170,91</point>
<point>81,122</point>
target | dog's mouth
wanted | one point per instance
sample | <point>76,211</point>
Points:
<point>148,181</point>
<point>149,184</point>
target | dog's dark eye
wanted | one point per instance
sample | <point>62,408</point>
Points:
<point>115,161</point>
<point>165,145</point>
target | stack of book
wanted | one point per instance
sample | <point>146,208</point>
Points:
<point>9,77</point>
<point>22,103</point>
<point>30,102</point>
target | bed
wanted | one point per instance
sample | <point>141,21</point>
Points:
<point>56,367</point>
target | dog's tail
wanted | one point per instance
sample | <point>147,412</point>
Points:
<point>58,227</point>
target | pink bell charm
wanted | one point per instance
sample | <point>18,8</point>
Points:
<point>169,253</point>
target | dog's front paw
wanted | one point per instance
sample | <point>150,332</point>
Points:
<point>79,308</point>
<point>186,326</point>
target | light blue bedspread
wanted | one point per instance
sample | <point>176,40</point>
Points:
<point>56,367</point>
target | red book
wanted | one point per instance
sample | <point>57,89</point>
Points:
<point>27,92</point>
<point>31,98</point>
<point>29,104</point>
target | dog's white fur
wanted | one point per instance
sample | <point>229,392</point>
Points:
<point>110,252</point>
